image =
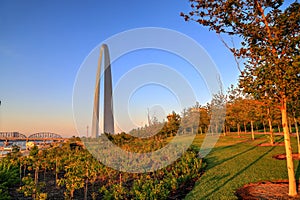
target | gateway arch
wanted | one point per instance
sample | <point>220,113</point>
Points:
<point>108,119</point>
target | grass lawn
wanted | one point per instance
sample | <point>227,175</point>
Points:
<point>234,162</point>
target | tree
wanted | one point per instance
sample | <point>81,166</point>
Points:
<point>204,119</point>
<point>252,114</point>
<point>268,111</point>
<point>92,171</point>
<point>218,112</point>
<point>8,177</point>
<point>294,108</point>
<point>235,107</point>
<point>74,174</point>
<point>173,123</point>
<point>197,118</point>
<point>269,116</point>
<point>270,46</point>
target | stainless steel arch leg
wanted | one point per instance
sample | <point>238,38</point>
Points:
<point>108,121</point>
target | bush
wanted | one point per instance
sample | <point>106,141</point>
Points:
<point>9,176</point>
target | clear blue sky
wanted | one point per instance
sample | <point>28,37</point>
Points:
<point>43,44</point>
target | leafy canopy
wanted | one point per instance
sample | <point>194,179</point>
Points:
<point>269,42</point>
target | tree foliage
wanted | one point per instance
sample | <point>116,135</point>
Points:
<point>9,176</point>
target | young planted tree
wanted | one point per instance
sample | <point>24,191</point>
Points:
<point>269,116</point>
<point>204,119</point>
<point>74,175</point>
<point>235,108</point>
<point>218,112</point>
<point>252,114</point>
<point>173,123</point>
<point>270,46</point>
<point>229,120</point>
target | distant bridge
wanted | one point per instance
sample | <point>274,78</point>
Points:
<point>35,136</point>
<point>12,135</point>
<point>44,135</point>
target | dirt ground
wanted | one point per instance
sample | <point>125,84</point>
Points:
<point>58,193</point>
<point>269,144</point>
<point>266,190</point>
<point>296,156</point>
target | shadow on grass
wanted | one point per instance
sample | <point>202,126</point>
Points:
<point>298,172</point>
<point>212,164</point>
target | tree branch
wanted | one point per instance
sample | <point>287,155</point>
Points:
<point>230,49</point>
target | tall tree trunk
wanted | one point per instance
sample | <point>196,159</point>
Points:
<point>252,131</point>
<point>271,131</point>
<point>245,127</point>
<point>288,150</point>
<point>224,130</point>
<point>270,126</point>
<point>290,125</point>
<point>279,128</point>
<point>217,128</point>
<point>201,130</point>
<point>265,132</point>
<point>238,129</point>
<point>297,134</point>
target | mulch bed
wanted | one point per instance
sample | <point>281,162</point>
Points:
<point>271,145</point>
<point>266,190</point>
<point>236,136</point>
<point>296,156</point>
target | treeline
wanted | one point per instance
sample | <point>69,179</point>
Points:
<point>230,112</point>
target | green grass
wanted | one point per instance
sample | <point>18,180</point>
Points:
<point>234,162</point>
